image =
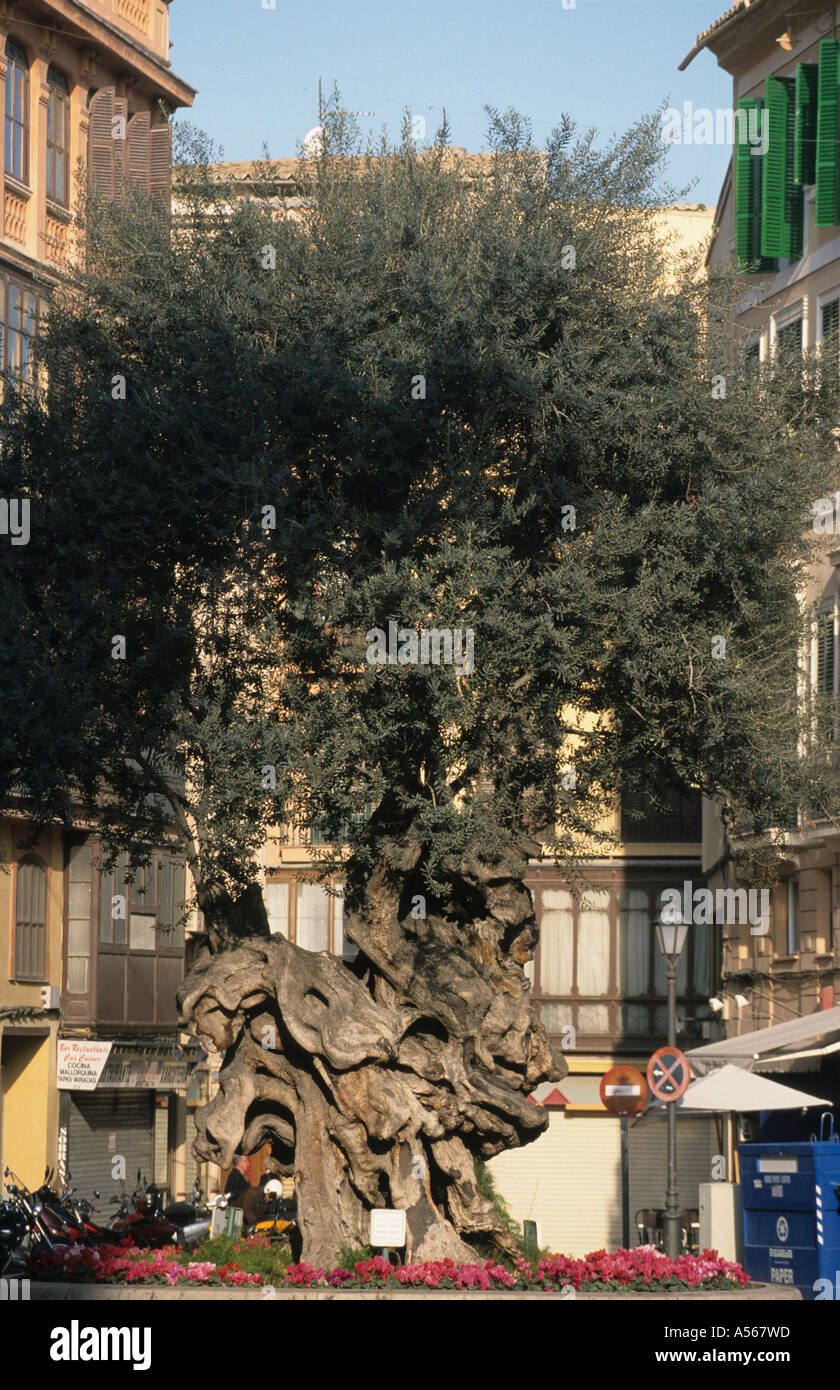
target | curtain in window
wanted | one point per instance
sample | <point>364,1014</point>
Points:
<point>593,945</point>
<point>277,908</point>
<point>312,917</point>
<point>556,941</point>
<point>633,941</point>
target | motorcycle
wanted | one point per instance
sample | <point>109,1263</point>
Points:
<point>26,1225</point>
<point>140,1217</point>
<point>191,1218</point>
<point>73,1211</point>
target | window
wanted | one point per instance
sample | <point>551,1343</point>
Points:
<point>17,111</point>
<point>312,916</point>
<point>679,820</point>
<point>78,920</point>
<point>309,914</point>
<point>19,308</point>
<point>30,918</point>
<point>825,654</point>
<point>599,968</point>
<point>752,360</point>
<point>277,908</point>
<point>792,935</point>
<point>830,322</point>
<point>789,342</point>
<point>146,914</point>
<point>58,137</point>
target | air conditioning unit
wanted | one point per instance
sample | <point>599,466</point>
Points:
<point>50,997</point>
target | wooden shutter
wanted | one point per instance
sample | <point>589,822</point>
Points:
<point>139,149</point>
<point>827,211</point>
<point>106,155</point>
<point>805,136</point>
<point>748,168</point>
<point>781,198</point>
<point>100,142</point>
<point>160,182</point>
<point>825,654</point>
<point>30,919</point>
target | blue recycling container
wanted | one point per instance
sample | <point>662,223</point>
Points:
<point>790,1198</point>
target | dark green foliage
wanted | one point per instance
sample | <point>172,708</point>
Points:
<point>563,368</point>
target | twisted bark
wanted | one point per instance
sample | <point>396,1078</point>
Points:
<point>378,1086</point>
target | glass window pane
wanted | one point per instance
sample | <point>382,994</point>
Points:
<point>634,934</point>
<point>312,904</point>
<point>106,921</point>
<point>277,908</point>
<point>593,953</point>
<point>555,1017</point>
<point>593,1018</point>
<point>142,931</point>
<point>556,929</point>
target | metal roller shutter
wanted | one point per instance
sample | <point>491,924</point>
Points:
<point>569,1180</point>
<point>96,1117</point>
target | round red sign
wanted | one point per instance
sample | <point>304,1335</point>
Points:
<point>668,1073</point>
<point>623,1090</point>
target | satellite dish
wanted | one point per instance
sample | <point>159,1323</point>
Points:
<point>313,143</point>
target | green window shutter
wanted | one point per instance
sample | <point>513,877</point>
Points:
<point>805,138</point>
<point>781,198</point>
<point>827,211</point>
<point>748,167</point>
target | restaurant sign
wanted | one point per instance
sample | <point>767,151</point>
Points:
<point>80,1063</point>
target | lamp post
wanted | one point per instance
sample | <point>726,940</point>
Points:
<point>671,932</point>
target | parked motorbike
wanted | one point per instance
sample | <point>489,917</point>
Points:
<point>25,1226</point>
<point>191,1218</point>
<point>279,1220</point>
<point>74,1211</point>
<point>140,1217</point>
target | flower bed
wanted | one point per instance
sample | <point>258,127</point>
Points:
<point>643,1269</point>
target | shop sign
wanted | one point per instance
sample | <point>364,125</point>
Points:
<point>80,1063</point>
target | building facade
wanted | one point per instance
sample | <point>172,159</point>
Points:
<point>778,220</point>
<point>88,90</point>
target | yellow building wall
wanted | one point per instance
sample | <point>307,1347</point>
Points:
<point>28,1094</point>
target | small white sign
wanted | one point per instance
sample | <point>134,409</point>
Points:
<point>387,1228</point>
<point>623,1090</point>
<point>80,1063</point>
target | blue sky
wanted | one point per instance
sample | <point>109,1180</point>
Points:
<point>604,61</point>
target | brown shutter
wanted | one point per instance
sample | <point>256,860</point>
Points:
<point>139,149</point>
<point>161,164</point>
<point>101,143</point>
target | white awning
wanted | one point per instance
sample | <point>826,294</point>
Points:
<point>733,1088</point>
<point>799,1044</point>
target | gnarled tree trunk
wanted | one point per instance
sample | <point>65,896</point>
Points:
<point>378,1085</point>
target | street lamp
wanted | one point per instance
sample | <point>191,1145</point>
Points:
<point>671,933</point>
